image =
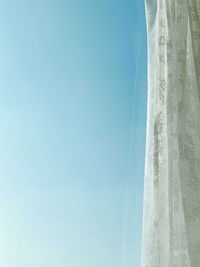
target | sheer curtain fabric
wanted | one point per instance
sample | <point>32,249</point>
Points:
<point>171,220</point>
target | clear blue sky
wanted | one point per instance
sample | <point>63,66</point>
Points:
<point>72,135</point>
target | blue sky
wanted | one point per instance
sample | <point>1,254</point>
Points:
<point>72,116</point>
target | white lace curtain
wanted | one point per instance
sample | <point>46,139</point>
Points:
<point>171,228</point>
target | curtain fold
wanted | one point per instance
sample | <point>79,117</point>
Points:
<point>171,216</point>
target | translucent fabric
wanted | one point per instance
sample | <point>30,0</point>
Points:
<point>171,228</point>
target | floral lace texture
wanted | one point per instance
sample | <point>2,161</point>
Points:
<point>171,218</point>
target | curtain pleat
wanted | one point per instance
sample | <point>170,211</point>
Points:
<point>171,217</point>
